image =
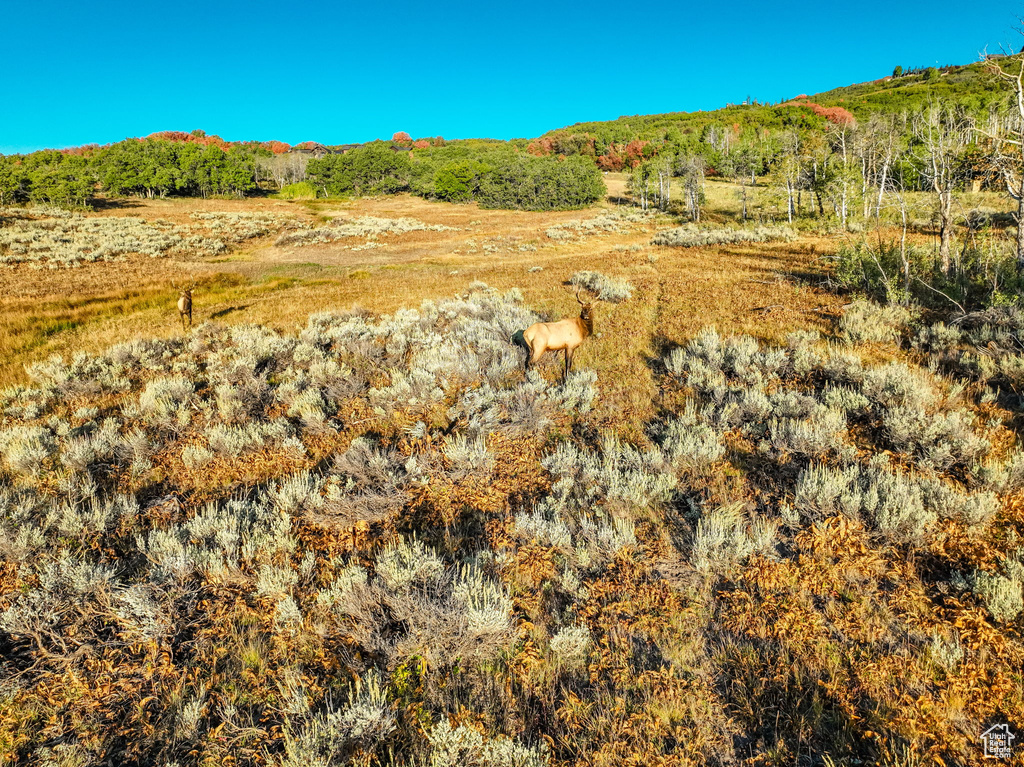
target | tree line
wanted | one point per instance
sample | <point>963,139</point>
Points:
<point>494,174</point>
<point>146,168</point>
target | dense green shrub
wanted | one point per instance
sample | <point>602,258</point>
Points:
<point>524,182</point>
<point>369,169</point>
<point>459,181</point>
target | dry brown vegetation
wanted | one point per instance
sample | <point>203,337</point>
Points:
<point>276,540</point>
<point>767,290</point>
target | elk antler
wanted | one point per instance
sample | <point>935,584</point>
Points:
<point>578,297</point>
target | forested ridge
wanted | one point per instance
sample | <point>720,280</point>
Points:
<point>753,139</point>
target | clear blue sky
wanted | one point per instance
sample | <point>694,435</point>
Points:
<point>77,73</point>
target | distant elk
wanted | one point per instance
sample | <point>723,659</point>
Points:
<point>564,335</point>
<point>185,305</point>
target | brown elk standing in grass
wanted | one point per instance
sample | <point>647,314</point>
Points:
<point>185,306</point>
<point>567,335</point>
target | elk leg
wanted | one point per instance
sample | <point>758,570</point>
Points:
<point>533,358</point>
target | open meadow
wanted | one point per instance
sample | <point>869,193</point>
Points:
<point>334,522</point>
<point>767,290</point>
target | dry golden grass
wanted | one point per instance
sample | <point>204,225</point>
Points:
<point>766,290</point>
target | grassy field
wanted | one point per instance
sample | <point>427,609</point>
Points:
<point>762,523</point>
<point>768,291</point>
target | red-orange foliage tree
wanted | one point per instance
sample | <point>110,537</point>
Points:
<point>85,150</point>
<point>541,147</point>
<point>195,137</point>
<point>835,115</point>
<point>611,160</point>
<point>637,151</point>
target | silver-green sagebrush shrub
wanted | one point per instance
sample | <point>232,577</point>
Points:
<point>332,736</point>
<point>415,604</point>
<point>310,406</point>
<point>233,441</point>
<point>464,746</point>
<point>349,593</point>
<point>297,493</point>
<point>84,375</point>
<point>897,385</point>
<point>368,484</point>
<point>599,540</point>
<point>25,448</point>
<point>810,436</point>
<point>370,227</point>
<point>68,608</point>
<point>892,502</point>
<point>1001,594</point>
<point>604,287</point>
<point>90,516</point>
<point>571,646</point>
<point>617,476</point>
<point>468,457</point>
<point>804,355</point>
<point>484,602</point>
<point>166,401</point>
<point>689,444</point>
<point>692,235</point>
<point>941,440</point>
<point>218,540</point>
<point>845,400</point>
<point>801,404</point>
<point>196,456</point>
<point>88,444</point>
<point>287,615</point>
<point>868,321</point>
<point>143,613</point>
<point>939,339</point>
<point>275,581</point>
<point>49,240</point>
<point>408,563</point>
<point>616,222</point>
<point>725,537</point>
<point>947,652</point>
<point>535,526</point>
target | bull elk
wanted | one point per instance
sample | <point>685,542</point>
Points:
<point>185,306</point>
<point>564,335</point>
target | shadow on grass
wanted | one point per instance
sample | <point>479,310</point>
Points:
<point>115,203</point>
<point>228,310</point>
